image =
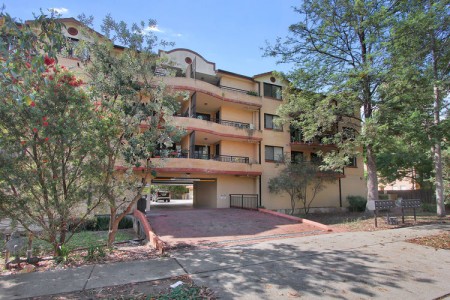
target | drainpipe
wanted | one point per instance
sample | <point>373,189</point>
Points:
<point>260,194</point>
<point>259,118</point>
<point>340,188</point>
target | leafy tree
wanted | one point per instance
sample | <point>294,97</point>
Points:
<point>338,48</point>
<point>137,109</point>
<point>419,77</point>
<point>49,147</point>
<point>296,179</point>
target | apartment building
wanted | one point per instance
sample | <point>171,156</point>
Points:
<point>231,145</point>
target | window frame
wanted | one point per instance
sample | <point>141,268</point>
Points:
<point>272,159</point>
<point>274,127</point>
<point>273,91</point>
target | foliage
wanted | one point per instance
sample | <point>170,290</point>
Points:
<point>94,253</point>
<point>296,179</point>
<point>356,203</point>
<point>428,207</point>
<point>136,108</point>
<point>176,190</point>
<point>104,220</point>
<point>48,132</point>
<point>419,83</point>
<point>338,48</point>
<point>185,291</point>
<point>62,253</point>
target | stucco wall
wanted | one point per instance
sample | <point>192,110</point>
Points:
<point>205,194</point>
<point>227,185</point>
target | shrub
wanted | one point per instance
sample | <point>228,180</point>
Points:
<point>103,222</point>
<point>428,207</point>
<point>62,253</point>
<point>87,224</point>
<point>356,203</point>
<point>94,253</point>
<point>383,197</point>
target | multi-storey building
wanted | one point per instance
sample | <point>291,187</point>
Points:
<point>231,145</point>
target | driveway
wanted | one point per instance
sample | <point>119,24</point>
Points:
<point>225,226</point>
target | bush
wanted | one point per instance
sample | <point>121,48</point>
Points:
<point>103,222</point>
<point>356,203</point>
<point>383,197</point>
<point>86,224</point>
<point>428,207</point>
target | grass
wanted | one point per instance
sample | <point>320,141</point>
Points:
<point>83,239</point>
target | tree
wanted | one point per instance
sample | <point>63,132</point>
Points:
<point>137,109</point>
<point>49,147</point>
<point>338,49</point>
<point>296,179</point>
<point>420,73</point>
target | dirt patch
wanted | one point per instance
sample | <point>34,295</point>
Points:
<point>356,221</point>
<point>157,289</point>
<point>438,241</point>
<point>122,252</point>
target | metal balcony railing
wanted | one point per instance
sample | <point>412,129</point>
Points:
<point>185,154</point>
<point>236,124</point>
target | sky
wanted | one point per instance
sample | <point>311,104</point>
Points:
<point>229,33</point>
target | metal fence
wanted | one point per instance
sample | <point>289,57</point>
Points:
<point>247,201</point>
<point>426,196</point>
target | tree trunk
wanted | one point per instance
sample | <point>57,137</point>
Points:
<point>112,227</point>
<point>437,158</point>
<point>372,177</point>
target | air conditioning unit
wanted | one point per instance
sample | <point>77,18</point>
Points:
<point>251,126</point>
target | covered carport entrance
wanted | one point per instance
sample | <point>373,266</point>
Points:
<point>204,193</point>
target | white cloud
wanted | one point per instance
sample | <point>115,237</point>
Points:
<point>154,28</point>
<point>163,31</point>
<point>59,10</point>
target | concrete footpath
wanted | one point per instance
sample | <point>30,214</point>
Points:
<point>354,265</point>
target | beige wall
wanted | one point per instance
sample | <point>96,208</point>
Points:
<point>205,194</point>
<point>234,114</point>
<point>238,83</point>
<point>227,185</point>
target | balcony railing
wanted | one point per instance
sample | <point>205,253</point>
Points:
<point>252,93</point>
<point>236,124</point>
<point>185,154</point>
<point>322,140</point>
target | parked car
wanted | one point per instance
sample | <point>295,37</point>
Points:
<point>161,195</point>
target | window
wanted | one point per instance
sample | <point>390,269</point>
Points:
<point>269,122</point>
<point>352,162</point>
<point>348,133</point>
<point>273,91</point>
<point>296,135</point>
<point>274,153</point>
<point>296,156</point>
<point>316,159</point>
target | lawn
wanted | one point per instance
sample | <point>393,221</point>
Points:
<point>83,239</point>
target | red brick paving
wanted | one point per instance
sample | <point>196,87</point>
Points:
<point>200,227</point>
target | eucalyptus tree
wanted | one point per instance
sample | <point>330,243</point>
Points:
<point>339,52</point>
<point>420,77</point>
<point>126,79</point>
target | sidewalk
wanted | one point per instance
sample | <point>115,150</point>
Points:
<point>354,265</point>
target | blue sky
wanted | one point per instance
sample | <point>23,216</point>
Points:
<point>229,33</point>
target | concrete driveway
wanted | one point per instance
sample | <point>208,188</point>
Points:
<point>219,227</point>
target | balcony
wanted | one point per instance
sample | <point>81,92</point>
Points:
<point>224,93</point>
<point>185,154</point>
<point>297,142</point>
<point>231,130</point>
<point>205,164</point>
